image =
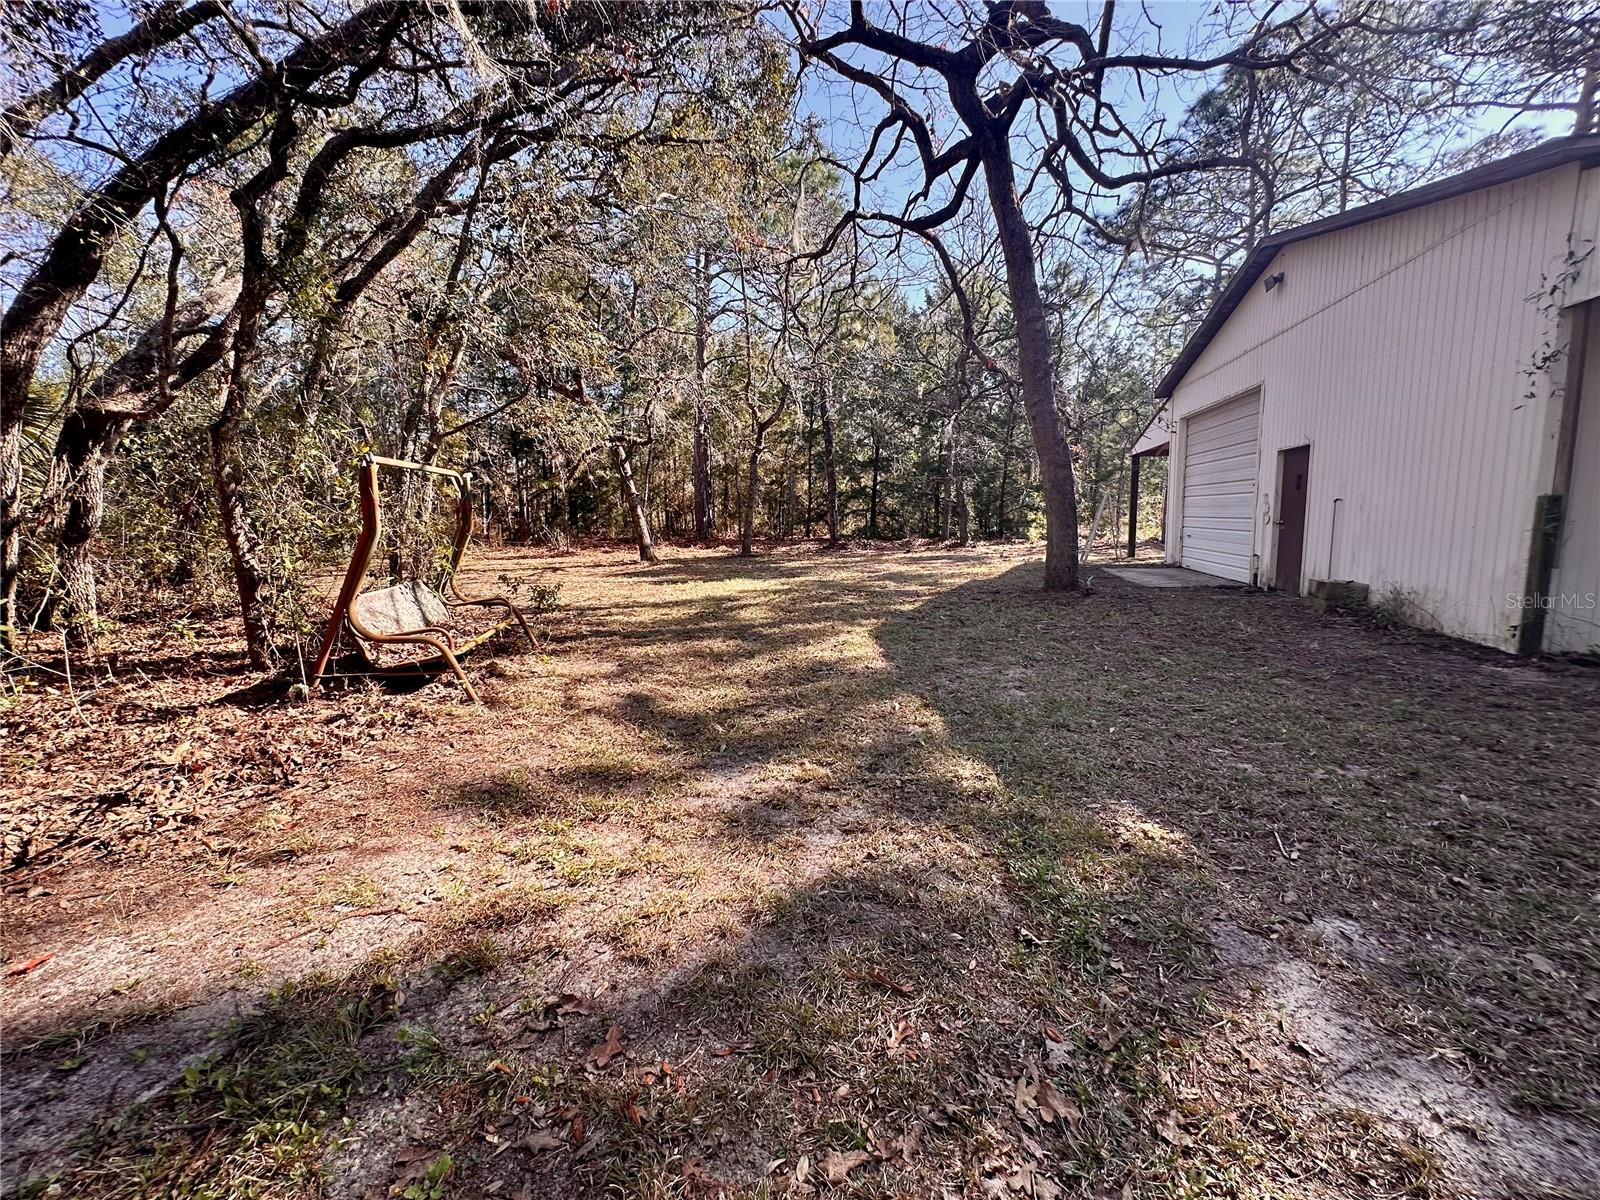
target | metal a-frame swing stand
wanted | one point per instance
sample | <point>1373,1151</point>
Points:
<point>409,613</point>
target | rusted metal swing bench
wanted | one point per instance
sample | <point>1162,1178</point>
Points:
<point>410,613</point>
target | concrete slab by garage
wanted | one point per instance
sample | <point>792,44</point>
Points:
<point>1169,577</point>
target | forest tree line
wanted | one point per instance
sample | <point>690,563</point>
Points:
<point>617,262</point>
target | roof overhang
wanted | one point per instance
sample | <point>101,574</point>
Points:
<point>1154,437</point>
<point>1544,157</point>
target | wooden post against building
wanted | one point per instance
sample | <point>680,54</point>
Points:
<point>1133,505</point>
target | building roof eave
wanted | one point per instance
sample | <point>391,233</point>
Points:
<point>1543,157</point>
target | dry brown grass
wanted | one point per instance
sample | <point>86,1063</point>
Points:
<point>854,850</point>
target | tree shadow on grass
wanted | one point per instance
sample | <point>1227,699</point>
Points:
<point>902,1012</point>
<point>1253,755</point>
<point>950,910</point>
<point>1401,800</point>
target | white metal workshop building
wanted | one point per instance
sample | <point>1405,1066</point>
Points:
<point>1407,395</point>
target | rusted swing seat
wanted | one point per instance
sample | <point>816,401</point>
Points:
<point>410,613</point>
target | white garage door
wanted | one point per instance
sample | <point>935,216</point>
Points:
<point>1219,488</point>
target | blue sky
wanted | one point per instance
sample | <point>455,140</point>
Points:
<point>847,111</point>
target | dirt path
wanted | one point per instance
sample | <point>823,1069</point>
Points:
<point>880,871</point>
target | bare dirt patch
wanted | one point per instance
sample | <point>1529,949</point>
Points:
<point>878,869</point>
<point>1483,1145</point>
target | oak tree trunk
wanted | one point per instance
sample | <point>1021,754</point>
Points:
<point>72,262</point>
<point>631,501</point>
<point>872,493</point>
<point>830,461</point>
<point>947,492</point>
<point>239,528</point>
<point>10,519</point>
<point>559,506</point>
<point>702,468</point>
<point>1001,526</point>
<point>1033,342</point>
<point>702,407</point>
<point>131,391</point>
<point>84,448</point>
<point>752,492</point>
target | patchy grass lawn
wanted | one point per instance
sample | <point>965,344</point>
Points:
<point>875,872</point>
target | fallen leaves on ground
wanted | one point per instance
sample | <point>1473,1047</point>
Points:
<point>1053,1106</point>
<point>1034,1094</point>
<point>837,1164</point>
<point>903,1039</point>
<point>1029,1179</point>
<point>1168,1125</point>
<point>600,1056</point>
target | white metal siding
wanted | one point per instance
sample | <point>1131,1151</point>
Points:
<point>1404,350</point>
<point>1586,240</point>
<point>1219,488</point>
<point>1572,622</point>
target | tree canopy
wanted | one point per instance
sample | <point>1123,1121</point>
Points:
<point>674,271</point>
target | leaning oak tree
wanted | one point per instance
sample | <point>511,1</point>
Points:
<point>1053,115</point>
<point>295,116</point>
<point>73,260</point>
